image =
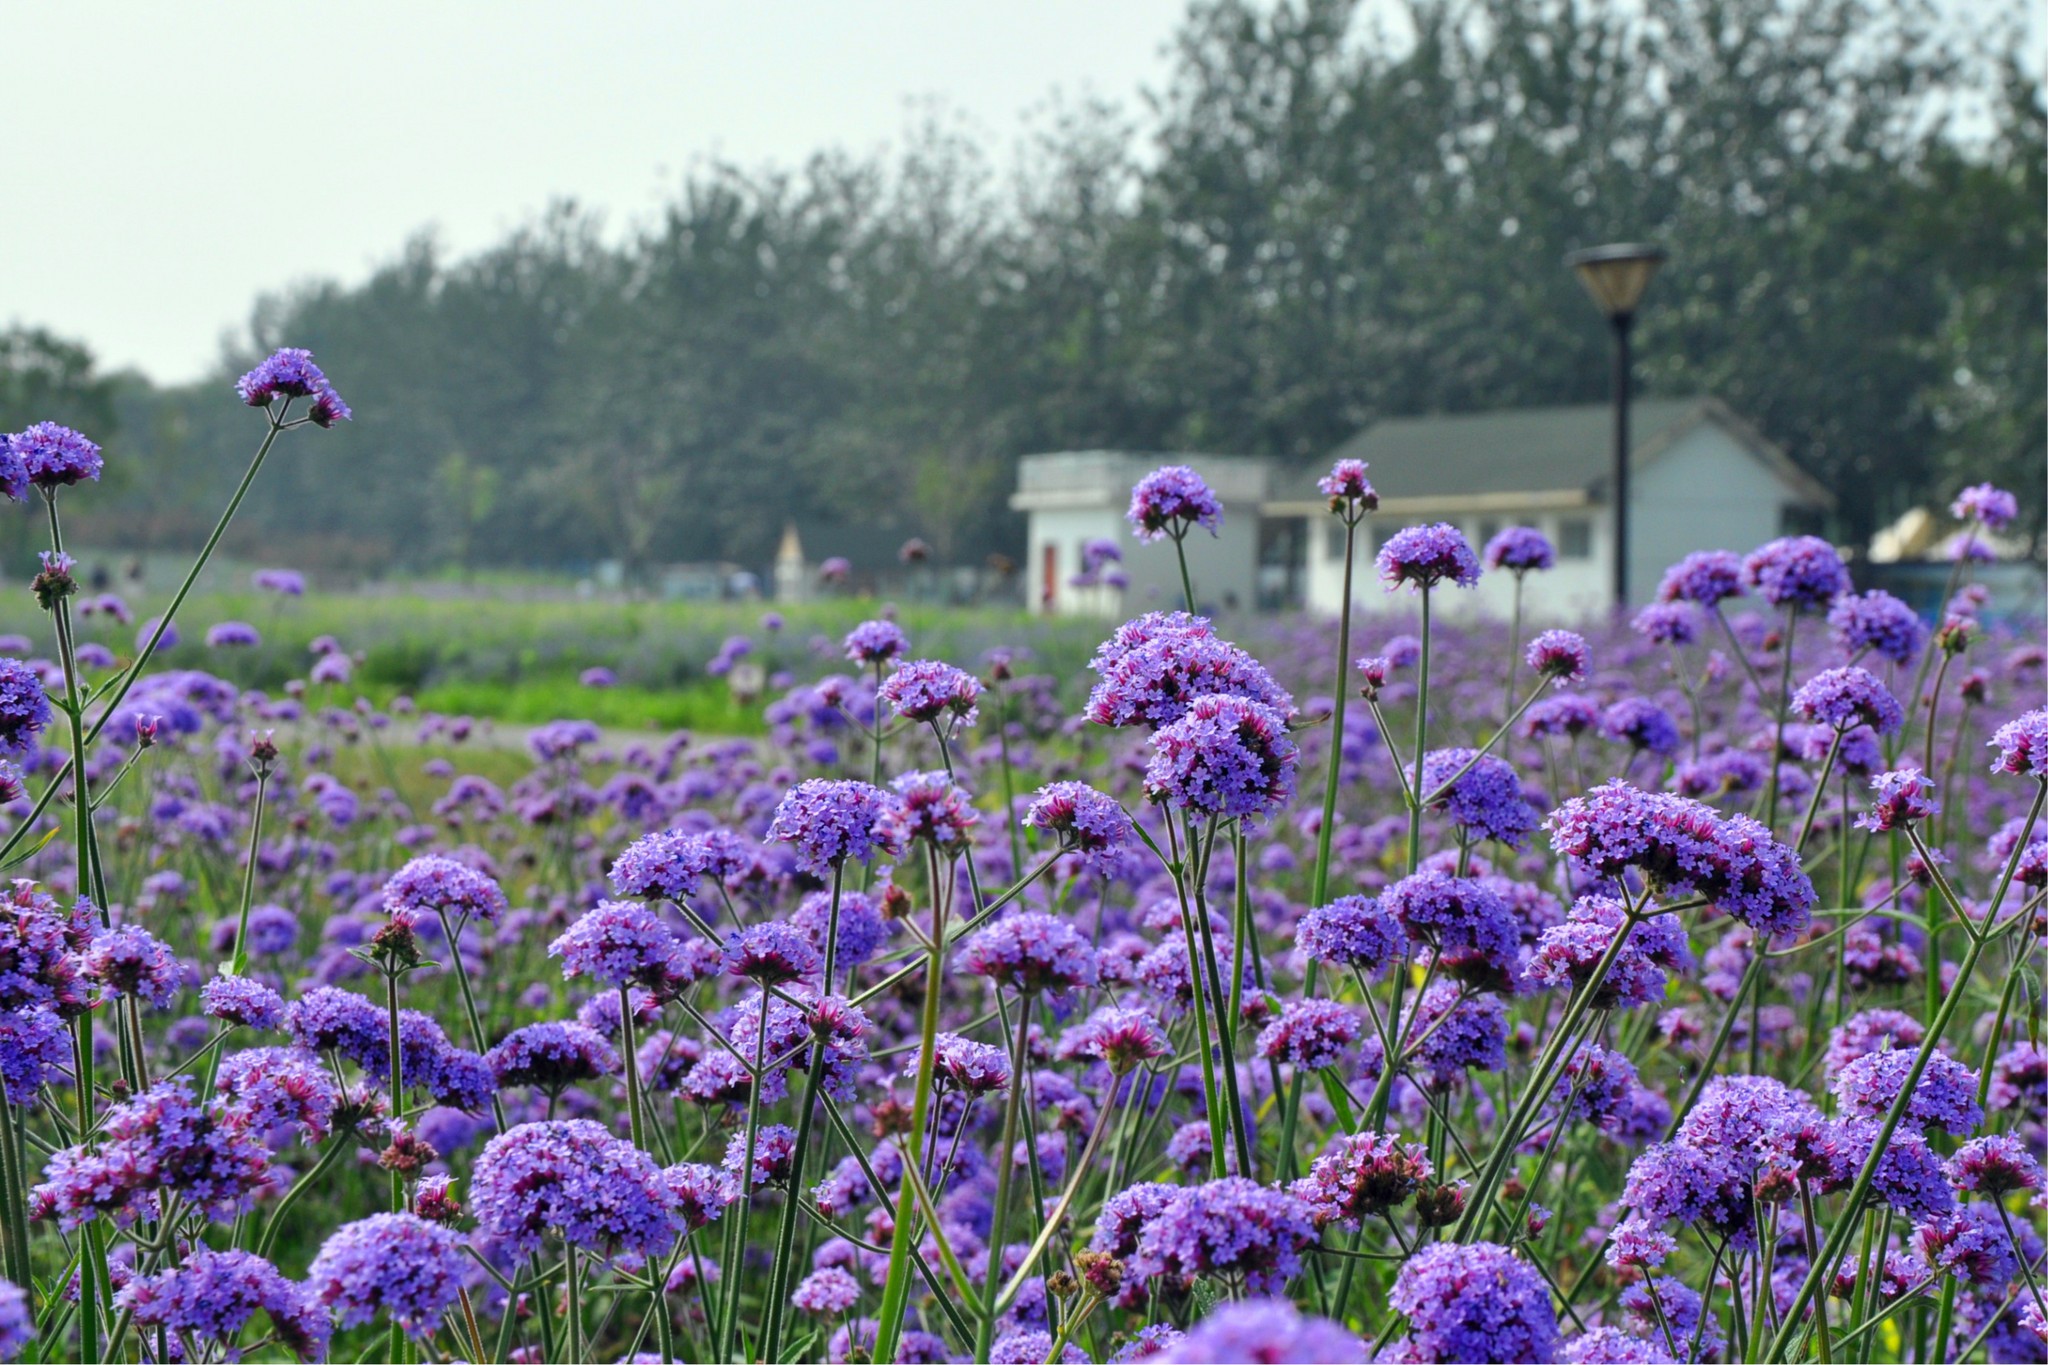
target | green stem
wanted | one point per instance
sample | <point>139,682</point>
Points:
<point>629,1053</point>
<point>984,1330</point>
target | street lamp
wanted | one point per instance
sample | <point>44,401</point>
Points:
<point>1616,277</point>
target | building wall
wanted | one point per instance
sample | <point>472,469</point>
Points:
<point>1704,493</point>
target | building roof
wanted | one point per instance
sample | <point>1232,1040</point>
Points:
<point>1546,454</point>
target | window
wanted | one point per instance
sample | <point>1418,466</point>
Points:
<point>1574,538</point>
<point>1333,539</point>
<point>1489,527</point>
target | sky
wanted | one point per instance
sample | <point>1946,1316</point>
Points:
<point>166,164</point>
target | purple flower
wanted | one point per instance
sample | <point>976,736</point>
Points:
<point>1346,484</point>
<point>1032,953</point>
<point>1463,921</point>
<point>1567,954</point>
<point>283,582</point>
<point>1457,1032</point>
<point>1519,548</point>
<point>1567,716</point>
<point>929,807</point>
<point>404,1267</point>
<point>1424,556</point>
<point>34,1047</point>
<point>1797,572</point>
<point>2022,746</point>
<point>130,961</point>
<point>552,1056</point>
<point>51,456</point>
<point>1481,793</point>
<point>700,1194</point>
<point>1879,623</point>
<point>1671,1313</point>
<point>1310,1034</point>
<point>1997,1165</point>
<point>1560,655</point>
<point>1904,797</point>
<point>232,635</point>
<point>214,1295</point>
<point>1667,623</point>
<point>1946,1095</point>
<point>1031,1347</point>
<point>620,943</point>
<point>1843,698</point>
<point>774,1153</point>
<point>668,864</point>
<point>875,642</point>
<point>1082,819</point>
<point>1265,1329</point>
<point>1472,1302</point>
<point>1642,725</point>
<point>1227,757</point>
<point>161,1141</point>
<point>1676,1182</point>
<point>771,953</point>
<point>862,929</point>
<point>24,705</point>
<point>1612,1346</point>
<point>1870,1031</point>
<point>272,1091</point>
<point>1154,667</point>
<point>571,1179</point>
<point>1170,501</point>
<point>442,886</point>
<point>963,1065</point>
<point>1705,578</point>
<point>1909,1176</point>
<point>828,822</point>
<point>1352,931</point>
<point>1994,507</point>
<point>290,373</point>
<point>1121,1037</point>
<point>1363,1176</point>
<point>1233,1227</point>
<point>829,1292</point>
<point>926,689</point>
<point>1683,846</point>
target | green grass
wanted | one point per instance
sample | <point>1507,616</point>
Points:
<point>706,706</point>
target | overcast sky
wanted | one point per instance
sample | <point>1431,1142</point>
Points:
<point>166,163</point>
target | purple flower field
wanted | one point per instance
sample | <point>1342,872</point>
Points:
<point>1402,988</point>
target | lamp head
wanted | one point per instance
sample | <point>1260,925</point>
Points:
<point>1616,275</point>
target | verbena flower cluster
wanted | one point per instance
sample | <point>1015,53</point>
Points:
<point>1456,1000</point>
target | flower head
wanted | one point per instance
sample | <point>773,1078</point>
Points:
<point>574,1180</point>
<point>1231,1226</point>
<point>1151,670</point>
<point>1033,953</point>
<point>1170,501</point>
<point>1352,931</point>
<point>433,885</point>
<point>828,822</point>
<point>1227,756</point>
<point>875,642</point>
<point>926,690</point>
<point>772,953</point>
<point>1567,954</point>
<point>290,373</point>
<point>1667,623</point>
<point>620,943</point>
<point>1995,508</point>
<point>551,1055</point>
<point>1945,1097</point>
<point>1310,1034</point>
<point>213,1295</point>
<point>1705,578</point>
<point>1122,1037</point>
<point>1083,819</point>
<point>963,1065</point>
<point>1265,1329</point>
<point>1347,487</point>
<point>131,961</point>
<point>1519,549</point>
<point>1843,698</point>
<point>1799,572</point>
<point>928,807</point>
<point>24,705</point>
<point>1481,794</point>
<point>1560,655</point>
<point>396,1264</point>
<point>1904,797</point>
<point>1474,1301</point>
<point>1424,556</point>
<point>1878,623</point>
<point>2022,746</point>
<point>52,456</point>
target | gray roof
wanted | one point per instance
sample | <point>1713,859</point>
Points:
<point>1540,450</point>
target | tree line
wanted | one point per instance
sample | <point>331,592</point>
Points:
<point>1316,222</point>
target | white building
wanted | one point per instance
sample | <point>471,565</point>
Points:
<point>1702,479</point>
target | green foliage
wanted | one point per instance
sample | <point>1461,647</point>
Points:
<point>1324,224</point>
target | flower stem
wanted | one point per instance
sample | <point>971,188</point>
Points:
<point>984,1330</point>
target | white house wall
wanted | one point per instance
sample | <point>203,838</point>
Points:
<point>1575,589</point>
<point>1704,493</point>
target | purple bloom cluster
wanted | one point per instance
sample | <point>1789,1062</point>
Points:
<point>291,373</point>
<point>1877,623</point>
<point>1480,793</point>
<point>1227,757</point>
<point>214,1295</point>
<point>828,822</point>
<point>1520,549</point>
<point>24,706</point>
<point>1705,578</point>
<point>1474,1302</point>
<point>1424,556</point>
<point>1230,1227</point>
<point>926,690</point>
<point>405,1268</point>
<point>1082,819</point>
<point>1171,501</point>
<point>1843,698</point>
<point>1684,847</point>
<point>1032,953</point>
<point>573,1180</point>
<point>50,457</point>
<point>434,885</point>
<point>1352,932</point>
<point>1797,572</point>
<point>1154,667</point>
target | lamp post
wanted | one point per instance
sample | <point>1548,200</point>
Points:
<point>1616,277</point>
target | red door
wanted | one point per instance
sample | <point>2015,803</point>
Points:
<point>1051,577</point>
